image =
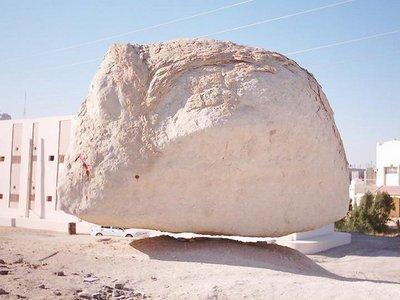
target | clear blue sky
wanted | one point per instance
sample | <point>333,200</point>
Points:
<point>361,80</point>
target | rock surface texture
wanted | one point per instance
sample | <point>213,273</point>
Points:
<point>208,137</point>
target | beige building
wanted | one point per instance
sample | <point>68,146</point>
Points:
<point>385,178</point>
<point>32,153</point>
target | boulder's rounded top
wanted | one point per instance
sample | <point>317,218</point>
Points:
<point>156,66</point>
<point>180,50</point>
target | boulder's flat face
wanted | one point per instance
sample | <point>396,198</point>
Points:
<point>208,137</point>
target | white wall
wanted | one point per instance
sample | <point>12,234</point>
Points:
<point>38,139</point>
<point>388,155</point>
<point>5,166</point>
<point>48,141</point>
<point>392,179</point>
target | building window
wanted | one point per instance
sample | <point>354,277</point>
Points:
<point>49,198</point>
<point>1,196</point>
<point>51,158</point>
<point>391,170</point>
<point>14,197</point>
<point>16,159</point>
<point>61,159</point>
<point>2,158</point>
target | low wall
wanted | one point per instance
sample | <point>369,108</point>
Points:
<point>6,222</point>
<point>82,227</point>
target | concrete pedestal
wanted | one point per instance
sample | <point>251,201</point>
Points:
<point>311,242</point>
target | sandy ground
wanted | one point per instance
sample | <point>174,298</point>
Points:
<point>47,265</point>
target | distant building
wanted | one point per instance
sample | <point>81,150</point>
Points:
<point>370,176</point>
<point>356,173</point>
<point>388,163</point>
<point>385,178</point>
<point>31,155</point>
<point>388,171</point>
<point>356,190</point>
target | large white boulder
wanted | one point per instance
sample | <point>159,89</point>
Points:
<point>205,136</point>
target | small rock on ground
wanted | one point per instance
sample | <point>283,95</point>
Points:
<point>90,279</point>
<point>85,295</point>
<point>60,273</point>
<point>3,292</point>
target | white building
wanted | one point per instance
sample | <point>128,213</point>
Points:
<point>31,155</point>
<point>385,178</point>
<point>357,190</point>
<point>388,163</point>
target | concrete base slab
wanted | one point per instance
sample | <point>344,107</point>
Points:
<point>315,241</point>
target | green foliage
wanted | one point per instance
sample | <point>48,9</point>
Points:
<point>370,216</point>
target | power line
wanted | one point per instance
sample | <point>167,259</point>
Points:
<point>345,42</point>
<point>208,12</point>
<point>347,61</point>
<point>329,64</point>
<point>196,15</point>
<point>299,51</point>
<point>67,65</point>
<point>332,63</point>
<point>289,53</point>
<point>24,112</point>
<point>277,18</point>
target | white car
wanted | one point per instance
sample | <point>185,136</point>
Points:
<point>115,231</point>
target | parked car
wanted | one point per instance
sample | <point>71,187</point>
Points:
<point>115,231</point>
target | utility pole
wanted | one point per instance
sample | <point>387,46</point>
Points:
<point>24,113</point>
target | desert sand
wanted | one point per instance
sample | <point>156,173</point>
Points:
<point>48,265</point>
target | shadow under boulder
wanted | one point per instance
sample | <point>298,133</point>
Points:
<point>230,252</point>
